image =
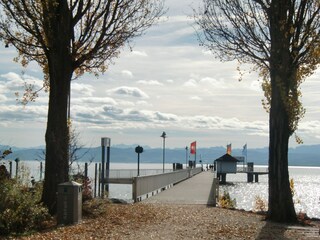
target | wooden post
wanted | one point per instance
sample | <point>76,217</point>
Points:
<point>100,176</point>
<point>215,191</point>
<point>256,177</point>
<point>41,170</point>
<point>134,189</point>
<point>95,179</point>
<point>250,177</point>
<point>10,168</point>
<point>85,170</point>
<point>223,177</point>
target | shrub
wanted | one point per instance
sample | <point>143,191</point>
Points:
<point>86,186</point>
<point>260,205</point>
<point>20,210</point>
<point>95,207</point>
<point>293,192</point>
<point>225,201</point>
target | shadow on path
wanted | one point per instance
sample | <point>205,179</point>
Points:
<point>272,231</point>
<point>283,231</point>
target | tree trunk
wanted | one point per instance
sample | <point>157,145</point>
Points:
<point>281,207</point>
<point>57,30</point>
<point>57,137</point>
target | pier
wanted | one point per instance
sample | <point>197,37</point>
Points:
<point>227,164</point>
<point>252,175</point>
<point>202,189</point>
<point>186,186</point>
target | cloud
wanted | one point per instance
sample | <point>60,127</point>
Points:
<point>126,114</point>
<point>82,89</point>
<point>94,100</point>
<point>196,98</point>
<point>15,113</point>
<point>310,127</point>
<point>3,98</point>
<point>256,86</point>
<point>191,83</point>
<point>139,53</point>
<point>128,91</point>
<point>15,81</point>
<point>150,82</point>
<point>166,117</point>
<point>127,73</point>
<point>143,103</point>
<point>126,118</point>
<point>207,53</point>
<point>12,77</point>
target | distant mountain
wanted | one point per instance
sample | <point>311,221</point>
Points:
<point>301,156</point>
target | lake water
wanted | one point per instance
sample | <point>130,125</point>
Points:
<point>306,185</point>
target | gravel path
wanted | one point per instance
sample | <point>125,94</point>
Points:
<point>168,221</point>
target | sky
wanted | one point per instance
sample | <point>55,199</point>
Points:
<point>166,82</point>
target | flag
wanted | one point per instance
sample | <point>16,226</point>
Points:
<point>229,149</point>
<point>244,150</point>
<point>193,147</point>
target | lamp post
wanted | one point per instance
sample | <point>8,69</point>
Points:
<point>186,157</point>
<point>164,135</point>
<point>139,150</point>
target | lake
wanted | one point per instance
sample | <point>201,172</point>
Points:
<point>306,185</point>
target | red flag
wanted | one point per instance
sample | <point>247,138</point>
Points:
<point>193,147</point>
<point>229,149</point>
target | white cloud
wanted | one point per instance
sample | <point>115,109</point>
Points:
<point>127,73</point>
<point>16,82</point>
<point>82,89</point>
<point>16,113</point>
<point>143,103</point>
<point>150,82</point>
<point>11,76</point>
<point>95,100</point>
<point>207,53</point>
<point>139,53</point>
<point>256,86</point>
<point>3,98</point>
<point>191,83</point>
<point>128,91</point>
<point>196,98</point>
<point>214,82</point>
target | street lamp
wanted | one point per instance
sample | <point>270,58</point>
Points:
<point>164,135</point>
<point>139,150</point>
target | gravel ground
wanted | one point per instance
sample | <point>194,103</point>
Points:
<point>168,221</point>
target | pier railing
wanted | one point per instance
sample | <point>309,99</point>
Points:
<point>144,185</point>
<point>130,173</point>
<point>257,169</point>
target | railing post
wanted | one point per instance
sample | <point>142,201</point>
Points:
<point>134,189</point>
<point>215,191</point>
<point>95,179</point>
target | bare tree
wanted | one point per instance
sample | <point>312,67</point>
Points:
<point>281,39</point>
<point>68,38</point>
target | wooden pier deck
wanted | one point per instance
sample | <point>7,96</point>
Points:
<point>200,189</point>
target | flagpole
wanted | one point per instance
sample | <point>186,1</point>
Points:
<point>195,156</point>
<point>246,154</point>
